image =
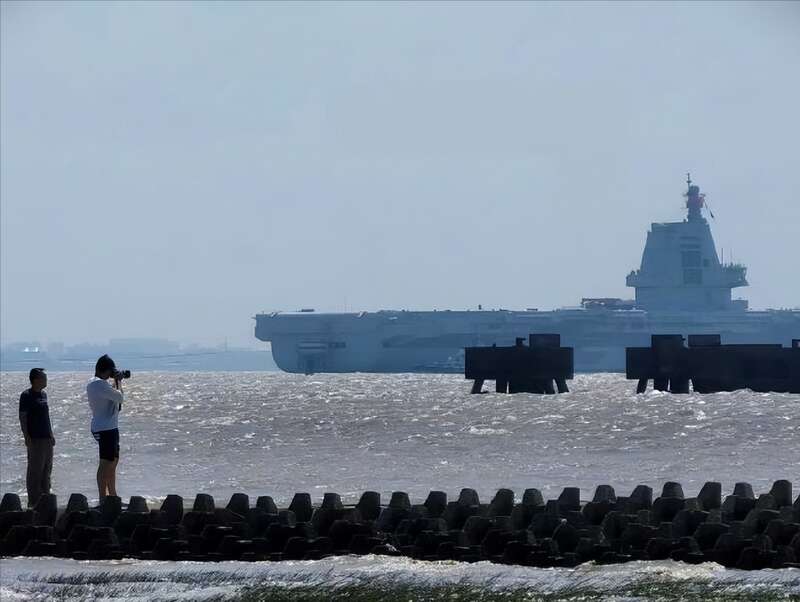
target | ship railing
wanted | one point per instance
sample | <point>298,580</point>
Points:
<point>736,274</point>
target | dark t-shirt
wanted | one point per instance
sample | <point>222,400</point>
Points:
<point>34,404</point>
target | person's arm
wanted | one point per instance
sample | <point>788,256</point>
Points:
<point>113,395</point>
<point>23,418</point>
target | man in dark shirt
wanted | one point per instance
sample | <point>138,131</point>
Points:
<point>34,418</point>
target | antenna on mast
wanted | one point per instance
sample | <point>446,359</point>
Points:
<point>694,200</point>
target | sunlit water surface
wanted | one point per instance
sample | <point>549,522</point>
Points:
<point>276,433</point>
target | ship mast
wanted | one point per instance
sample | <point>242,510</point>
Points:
<point>694,200</point>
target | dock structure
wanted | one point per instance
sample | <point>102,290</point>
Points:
<point>712,366</point>
<point>522,369</point>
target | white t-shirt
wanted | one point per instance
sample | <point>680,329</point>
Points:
<point>105,402</point>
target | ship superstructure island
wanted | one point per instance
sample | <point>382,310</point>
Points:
<point>681,287</point>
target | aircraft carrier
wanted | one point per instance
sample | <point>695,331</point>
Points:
<point>681,287</point>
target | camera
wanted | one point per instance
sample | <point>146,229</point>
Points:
<point>120,374</point>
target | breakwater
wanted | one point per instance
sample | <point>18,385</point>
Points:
<point>742,530</point>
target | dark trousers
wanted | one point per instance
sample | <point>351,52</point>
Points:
<point>40,465</point>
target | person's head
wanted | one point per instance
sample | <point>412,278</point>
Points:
<point>105,367</point>
<point>38,379</point>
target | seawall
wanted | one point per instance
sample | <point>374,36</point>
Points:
<point>743,530</point>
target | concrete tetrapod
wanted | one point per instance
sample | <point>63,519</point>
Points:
<point>745,531</point>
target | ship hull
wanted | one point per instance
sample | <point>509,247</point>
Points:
<point>401,341</point>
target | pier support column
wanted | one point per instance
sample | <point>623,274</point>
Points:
<point>561,383</point>
<point>477,386</point>
<point>501,386</point>
<point>679,385</point>
<point>536,386</point>
<point>641,386</point>
<point>660,384</point>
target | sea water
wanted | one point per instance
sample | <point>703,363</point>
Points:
<point>277,434</point>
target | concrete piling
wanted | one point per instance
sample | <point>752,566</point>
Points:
<point>744,490</point>
<point>678,385</point>
<point>541,367</point>
<point>436,503</point>
<point>744,531</point>
<point>77,503</point>
<point>710,496</point>
<point>369,505</point>
<point>641,498</point>
<point>301,506</point>
<point>502,504</point>
<point>203,503</point>
<point>672,489</point>
<point>172,509</point>
<point>570,499</point>
<point>782,493</point>
<point>239,503</point>
<point>137,504</point>
<point>712,366</point>
<point>400,500</point>
<point>468,497</point>
<point>10,503</point>
<point>604,493</point>
<point>532,497</point>
<point>267,504</point>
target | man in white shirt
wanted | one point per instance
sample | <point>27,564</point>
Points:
<point>106,403</point>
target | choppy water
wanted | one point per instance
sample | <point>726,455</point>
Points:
<point>47,579</point>
<point>275,434</point>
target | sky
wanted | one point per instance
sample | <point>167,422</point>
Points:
<point>171,169</point>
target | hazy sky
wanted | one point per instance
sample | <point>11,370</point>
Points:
<point>170,170</point>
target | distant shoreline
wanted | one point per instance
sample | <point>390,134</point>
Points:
<point>234,360</point>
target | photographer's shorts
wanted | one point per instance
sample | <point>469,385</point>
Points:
<point>109,444</point>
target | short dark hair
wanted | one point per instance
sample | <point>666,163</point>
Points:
<point>36,373</point>
<point>104,363</point>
